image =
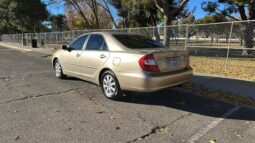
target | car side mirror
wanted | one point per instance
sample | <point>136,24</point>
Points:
<point>64,47</point>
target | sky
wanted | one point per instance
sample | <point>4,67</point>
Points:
<point>199,13</point>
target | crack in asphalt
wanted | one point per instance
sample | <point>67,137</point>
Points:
<point>158,129</point>
<point>99,103</point>
<point>6,77</point>
<point>40,95</point>
<point>46,56</point>
<point>22,75</point>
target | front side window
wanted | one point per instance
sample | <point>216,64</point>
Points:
<point>96,42</point>
<point>78,43</point>
<point>137,41</point>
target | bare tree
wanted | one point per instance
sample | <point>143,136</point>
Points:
<point>75,4</point>
<point>93,5</point>
<point>82,7</point>
<point>105,5</point>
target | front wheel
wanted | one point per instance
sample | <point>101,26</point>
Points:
<point>58,70</point>
<point>110,85</point>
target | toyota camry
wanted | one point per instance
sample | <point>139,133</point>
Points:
<point>122,62</point>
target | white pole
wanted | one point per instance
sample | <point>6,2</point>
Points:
<point>229,41</point>
<point>187,37</point>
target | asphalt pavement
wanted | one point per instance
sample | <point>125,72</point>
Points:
<point>37,107</point>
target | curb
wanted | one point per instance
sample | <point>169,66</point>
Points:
<point>219,95</point>
<point>25,49</point>
<point>221,76</point>
<point>15,47</point>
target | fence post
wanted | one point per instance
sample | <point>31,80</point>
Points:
<point>229,42</point>
<point>187,37</point>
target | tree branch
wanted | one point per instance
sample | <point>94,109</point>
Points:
<point>179,8</point>
<point>93,6</point>
<point>107,9</point>
<point>228,15</point>
<point>159,5</point>
<point>79,10</point>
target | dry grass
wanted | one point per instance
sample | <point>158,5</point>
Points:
<point>237,68</point>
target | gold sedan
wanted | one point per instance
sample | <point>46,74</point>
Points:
<point>122,62</point>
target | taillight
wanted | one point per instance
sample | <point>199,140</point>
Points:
<point>148,63</point>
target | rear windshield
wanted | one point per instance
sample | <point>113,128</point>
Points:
<point>137,41</point>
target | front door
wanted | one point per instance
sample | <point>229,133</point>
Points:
<point>71,57</point>
<point>94,56</point>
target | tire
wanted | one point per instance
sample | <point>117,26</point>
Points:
<point>58,70</point>
<point>110,86</point>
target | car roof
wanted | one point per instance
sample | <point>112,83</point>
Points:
<point>113,33</point>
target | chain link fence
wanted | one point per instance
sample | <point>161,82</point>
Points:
<point>225,49</point>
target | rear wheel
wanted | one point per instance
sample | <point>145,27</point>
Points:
<point>110,85</point>
<point>58,70</point>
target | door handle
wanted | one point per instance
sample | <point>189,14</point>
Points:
<point>102,56</point>
<point>78,55</point>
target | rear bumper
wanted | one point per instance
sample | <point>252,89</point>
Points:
<point>145,82</point>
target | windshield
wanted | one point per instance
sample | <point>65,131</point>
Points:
<point>137,41</point>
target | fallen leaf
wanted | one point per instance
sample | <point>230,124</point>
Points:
<point>81,92</point>
<point>17,137</point>
<point>212,141</point>
<point>238,135</point>
<point>162,129</point>
<point>56,110</point>
<point>30,97</point>
<point>101,112</point>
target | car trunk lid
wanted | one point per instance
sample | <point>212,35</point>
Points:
<point>168,59</point>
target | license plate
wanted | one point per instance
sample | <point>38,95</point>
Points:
<point>175,62</point>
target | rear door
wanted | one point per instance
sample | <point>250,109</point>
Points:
<point>94,56</point>
<point>70,58</point>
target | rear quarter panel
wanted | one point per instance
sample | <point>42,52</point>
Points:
<point>124,64</point>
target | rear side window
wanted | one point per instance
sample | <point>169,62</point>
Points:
<point>96,42</point>
<point>78,43</point>
<point>137,41</point>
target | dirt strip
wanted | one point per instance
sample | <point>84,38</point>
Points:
<point>219,95</point>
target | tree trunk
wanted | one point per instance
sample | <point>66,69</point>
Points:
<point>241,41</point>
<point>167,20</point>
<point>248,36</point>
<point>212,38</point>
<point>156,34</point>
<point>155,30</point>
